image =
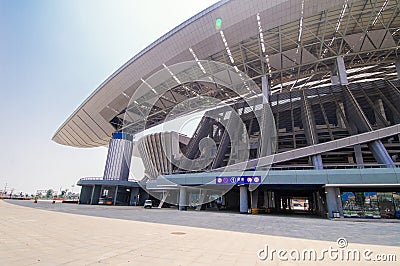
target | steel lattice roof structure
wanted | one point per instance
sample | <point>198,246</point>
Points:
<point>294,43</point>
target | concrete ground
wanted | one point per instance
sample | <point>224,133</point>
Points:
<point>305,227</point>
<point>30,236</point>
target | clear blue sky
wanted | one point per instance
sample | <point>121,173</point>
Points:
<point>53,54</point>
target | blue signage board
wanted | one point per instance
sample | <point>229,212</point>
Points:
<point>238,180</point>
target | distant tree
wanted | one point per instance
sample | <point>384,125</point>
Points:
<point>49,193</point>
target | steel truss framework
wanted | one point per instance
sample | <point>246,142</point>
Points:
<point>365,33</point>
<point>332,116</point>
<point>293,57</point>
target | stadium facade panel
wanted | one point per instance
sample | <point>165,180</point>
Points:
<point>323,74</point>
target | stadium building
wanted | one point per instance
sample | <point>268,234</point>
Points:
<point>299,105</point>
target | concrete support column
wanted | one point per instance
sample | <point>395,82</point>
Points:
<point>338,73</point>
<point>86,195</point>
<point>254,199</point>
<point>314,202</point>
<point>357,148</point>
<point>95,194</point>
<point>362,125</point>
<point>358,153</point>
<point>308,121</point>
<point>380,112</point>
<point>182,199</point>
<point>115,195</point>
<point>266,199</point>
<point>271,196</point>
<point>265,89</point>
<point>341,71</point>
<point>92,194</point>
<point>277,200</point>
<point>320,205</point>
<point>223,199</point>
<point>317,161</point>
<point>244,205</point>
<point>339,202</point>
<point>341,115</point>
<point>134,196</point>
<point>284,203</point>
<point>333,201</point>
<point>380,153</point>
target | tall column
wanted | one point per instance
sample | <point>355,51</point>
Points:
<point>266,199</point>
<point>317,161</point>
<point>95,195</point>
<point>333,201</point>
<point>182,199</point>
<point>308,121</point>
<point>340,115</point>
<point>362,125</point>
<point>341,71</point>
<point>119,157</point>
<point>339,202</point>
<point>267,129</point>
<point>359,157</point>
<point>338,73</point>
<point>92,194</point>
<point>244,205</point>
<point>85,195</point>
<point>254,199</point>
<point>271,201</point>
<point>320,205</point>
<point>134,196</point>
<point>314,202</point>
<point>380,113</point>
<point>115,195</point>
<point>278,202</point>
<point>380,153</point>
<point>265,89</point>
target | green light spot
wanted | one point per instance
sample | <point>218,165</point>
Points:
<point>218,23</point>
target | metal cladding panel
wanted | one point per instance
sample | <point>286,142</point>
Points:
<point>344,176</point>
<point>118,159</point>
<point>94,137</point>
<point>74,137</point>
<point>156,150</point>
<point>364,176</point>
<point>82,135</point>
<point>102,133</point>
<point>379,176</point>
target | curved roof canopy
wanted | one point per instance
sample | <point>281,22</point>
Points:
<point>294,43</point>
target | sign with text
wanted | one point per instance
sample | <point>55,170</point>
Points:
<point>239,180</point>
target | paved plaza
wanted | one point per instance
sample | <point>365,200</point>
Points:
<point>378,232</point>
<point>30,236</point>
